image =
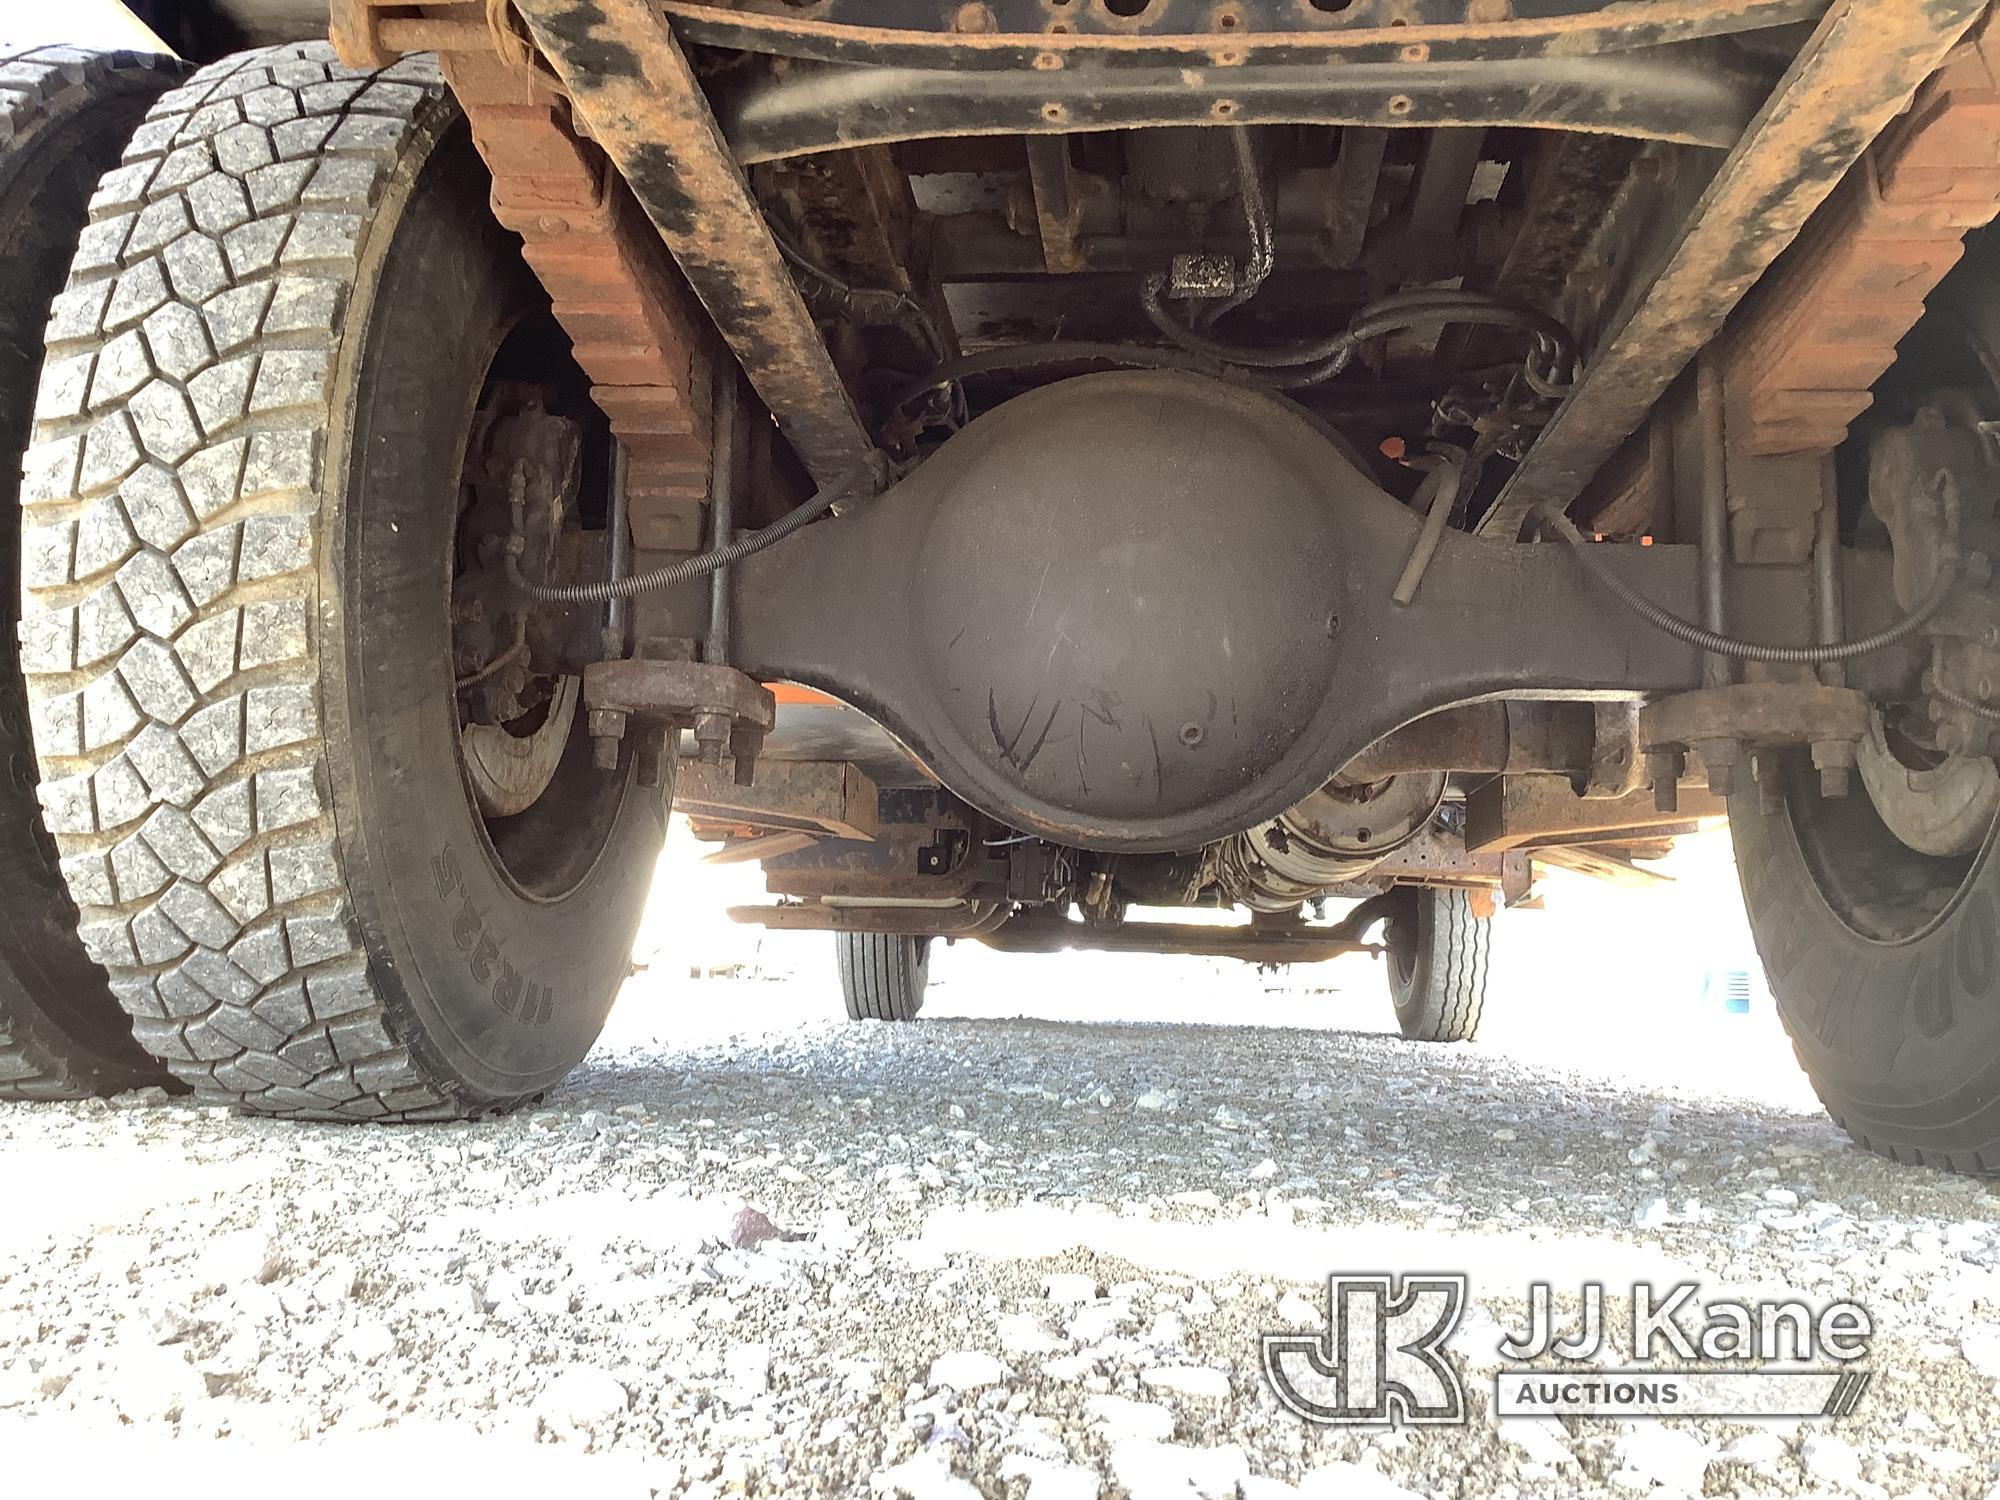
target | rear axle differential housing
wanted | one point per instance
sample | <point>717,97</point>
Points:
<point>1146,610</point>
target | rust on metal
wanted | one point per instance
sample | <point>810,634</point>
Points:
<point>1824,327</point>
<point>677,691</point>
<point>1855,73</point>
<point>852,213</point>
<point>1060,42</point>
<point>852,210</point>
<point>1058,203</point>
<point>1434,857</point>
<point>1766,712</point>
<point>634,328</point>
<point>829,798</point>
<point>1511,812</point>
<point>1350,200</point>
<point>1490,737</point>
<point>1293,943</point>
<point>1673,95</point>
<point>634,92</point>
<point>958,919</point>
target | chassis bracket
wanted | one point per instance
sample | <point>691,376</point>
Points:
<point>725,709</point>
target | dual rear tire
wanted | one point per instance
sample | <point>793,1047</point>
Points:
<point>64,115</point>
<point>242,515</point>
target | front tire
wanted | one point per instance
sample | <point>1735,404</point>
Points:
<point>883,975</point>
<point>1438,951</point>
<point>242,507</point>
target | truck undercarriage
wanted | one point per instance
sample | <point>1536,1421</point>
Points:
<point>1004,464</point>
<point>903,219</point>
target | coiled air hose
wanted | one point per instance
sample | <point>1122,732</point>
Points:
<point>1724,645</point>
<point>863,478</point>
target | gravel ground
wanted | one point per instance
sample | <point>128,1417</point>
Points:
<point>983,1255</point>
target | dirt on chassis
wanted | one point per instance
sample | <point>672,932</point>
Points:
<point>1007,465</point>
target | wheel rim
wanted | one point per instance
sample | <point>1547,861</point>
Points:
<point>509,772</point>
<point>1877,886</point>
<point>1884,888</point>
<point>1936,805</point>
<point>1400,939</point>
<point>529,485</point>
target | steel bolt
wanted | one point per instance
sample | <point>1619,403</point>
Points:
<point>1835,759</point>
<point>1663,770</point>
<point>607,731</point>
<point>1770,785</point>
<point>651,759</point>
<point>1719,758</point>
<point>711,736</point>
<point>745,745</point>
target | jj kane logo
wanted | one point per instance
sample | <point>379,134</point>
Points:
<point>1380,1357</point>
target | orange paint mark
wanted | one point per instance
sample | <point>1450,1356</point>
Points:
<point>791,692</point>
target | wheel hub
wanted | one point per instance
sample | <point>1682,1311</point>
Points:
<point>515,704</point>
<point>1944,808</point>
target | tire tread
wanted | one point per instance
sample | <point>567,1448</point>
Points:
<point>1448,982</point>
<point>46,1045</point>
<point>170,610</point>
<point>882,976</point>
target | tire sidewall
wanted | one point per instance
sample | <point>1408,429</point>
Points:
<point>920,972</point>
<point>1899,1038</point>
<point>502,994</point>
<point>51,994</point>
<point>1409,932</point>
